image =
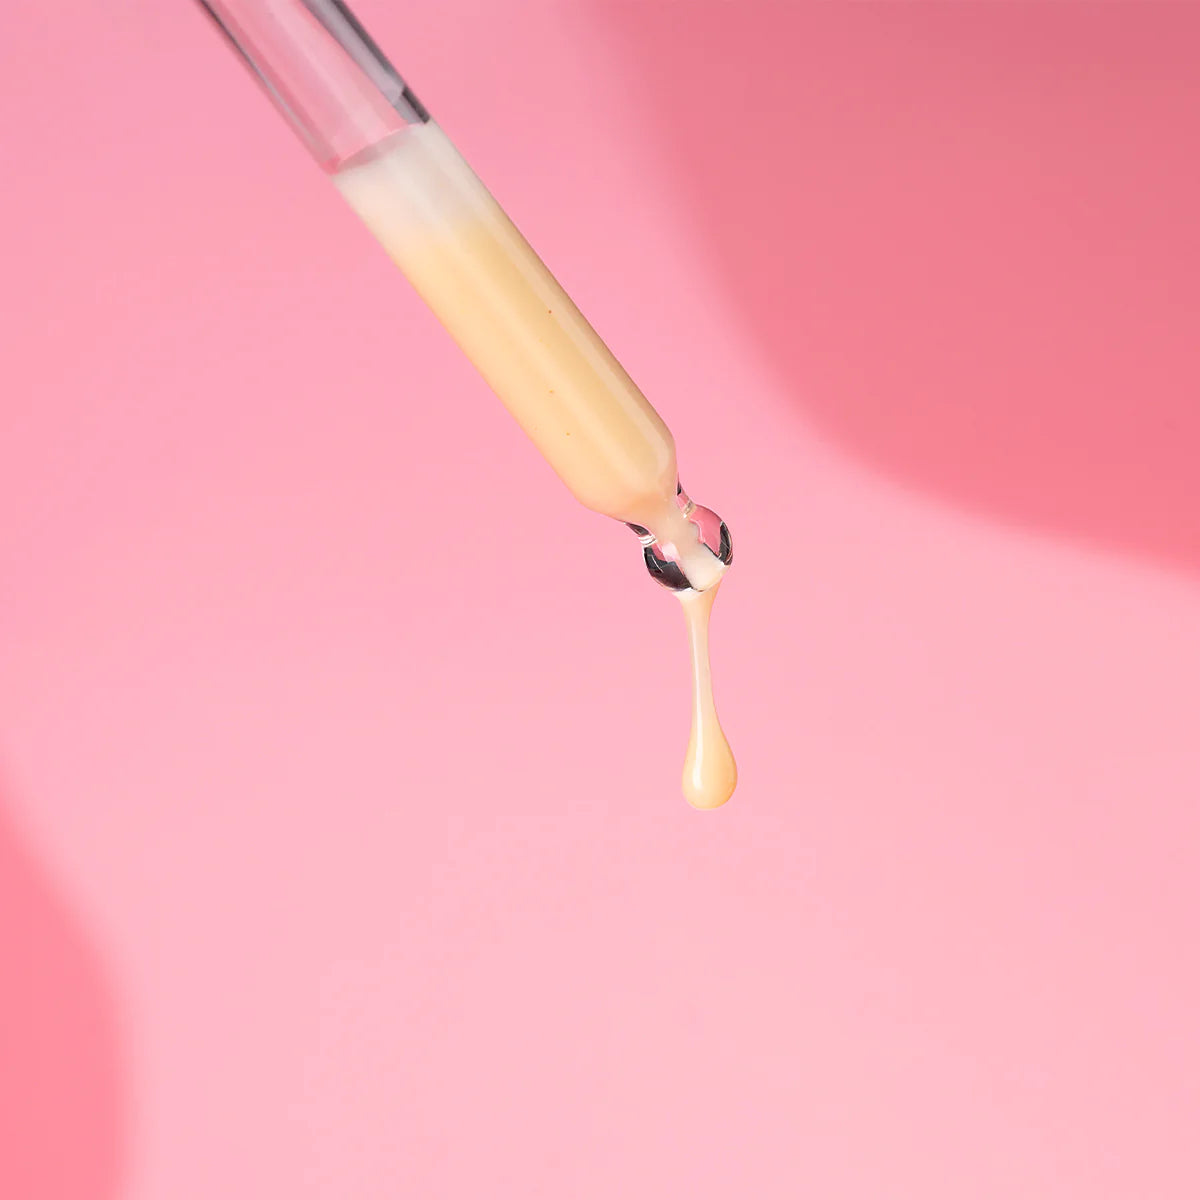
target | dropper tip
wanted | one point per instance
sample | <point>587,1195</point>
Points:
<point>693,550</point>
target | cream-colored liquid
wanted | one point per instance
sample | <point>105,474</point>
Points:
<point>709,770</point>
<point>513,320</point>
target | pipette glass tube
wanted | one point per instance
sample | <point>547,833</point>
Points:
<point>414,191</point>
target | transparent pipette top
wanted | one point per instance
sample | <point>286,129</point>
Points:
<point>326,76</point>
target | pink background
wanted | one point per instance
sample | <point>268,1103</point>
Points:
<point>320,878</point>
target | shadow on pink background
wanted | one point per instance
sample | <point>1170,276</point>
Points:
<point>61,1103</point>
<point>965,235</point>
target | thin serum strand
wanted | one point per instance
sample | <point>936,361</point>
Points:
<point>709,770</point>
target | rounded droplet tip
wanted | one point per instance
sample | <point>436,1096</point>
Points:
<point>711,782</point>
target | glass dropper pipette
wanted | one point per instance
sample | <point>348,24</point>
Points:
<point>483,281</point>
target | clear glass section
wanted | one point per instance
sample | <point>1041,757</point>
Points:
<point>323,72</point>
<point>663,560</point>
